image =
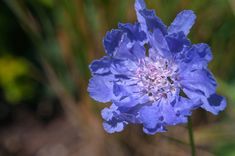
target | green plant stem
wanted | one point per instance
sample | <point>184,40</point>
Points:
<point>191,138</point>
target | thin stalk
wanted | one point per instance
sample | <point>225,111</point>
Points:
<point>191,138</point>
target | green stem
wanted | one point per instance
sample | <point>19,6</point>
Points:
<point>191,139</point>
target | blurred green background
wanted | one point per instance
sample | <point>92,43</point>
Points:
<point>45,49</point>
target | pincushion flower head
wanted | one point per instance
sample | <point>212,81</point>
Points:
<point>152,74</point>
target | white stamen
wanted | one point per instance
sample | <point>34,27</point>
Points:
<point>156,79</point>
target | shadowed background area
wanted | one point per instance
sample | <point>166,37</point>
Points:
<point>45,49</point>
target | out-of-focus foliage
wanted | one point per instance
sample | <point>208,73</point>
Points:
<point>226,149</point>
<point>46,46</point>
<point>12,79</point>
<point>47,3</point>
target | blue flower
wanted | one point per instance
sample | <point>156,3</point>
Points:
<point>152,74</point>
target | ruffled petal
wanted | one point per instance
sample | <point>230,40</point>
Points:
<point>111,41</point>
<point>107,113</point>
<point>157,129</point>
<point>184,106</point>
<point>177,41</point>
<point>140,5</point>
<point>101,66</point>
<point>113,127</point>
<point>123,69</point>
<point>137,51</point>
<point>170,111</point>
<point>148,19</point>
<point>127,102</point>
<point>159,45</point>
<point>150,117</point>
<point>127,50</point>
<point>197,83</point>
<point>214,104</point>
<point>183,22</point>
<point>157,116</point>
<point>111,123</point>
<point>100,88</point>
<point>203,51</point>
<point>134,32</point>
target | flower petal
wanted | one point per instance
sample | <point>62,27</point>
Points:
<point>111,41</point>
<point>214,104</point>
<point>157,116</point>
<point>203,51</point>
<point>127,50</point>
<point>183,22</point>
<point>115,120</point>
<point>159,45</point>
<point>177,41</point>
<point>122,52</point>
<point>107,113</point>
<point>101,66</point>
<point>157,129</point>
<point>198,56</point>
<point>113,127</point>
<point>148,19</point>
<point>134,32</point>
<point>184,106</point>
<point>150,117</point>
<point>198,83</point>
<point>100,88</point>
<point>140,5</point>
<point>138,51</point>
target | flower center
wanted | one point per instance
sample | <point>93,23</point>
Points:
<point>156,79</point>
